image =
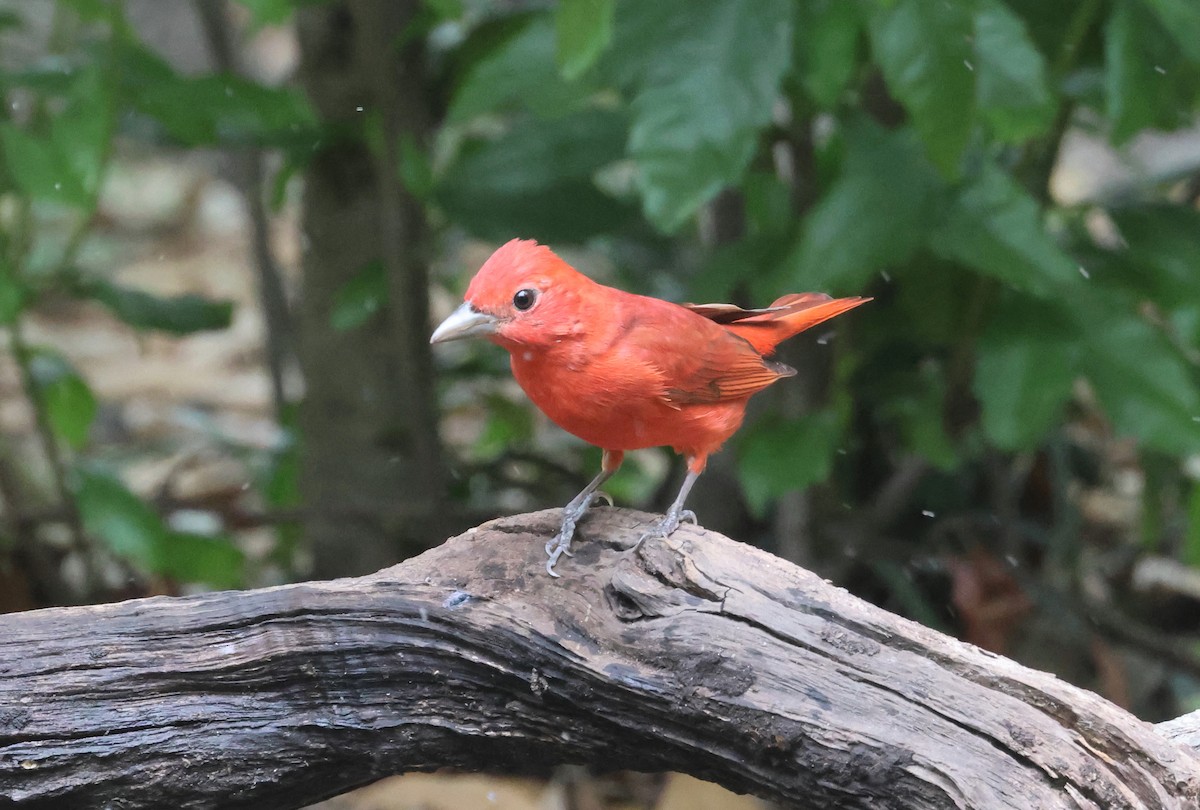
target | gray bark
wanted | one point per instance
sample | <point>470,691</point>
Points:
<point>695,654</point>
<point>368,424</point>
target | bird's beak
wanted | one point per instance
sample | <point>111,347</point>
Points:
<point>464,322</point>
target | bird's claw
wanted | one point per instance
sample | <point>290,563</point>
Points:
<point>667,526</point>
<point>554,555</point>
<point>560,544</point>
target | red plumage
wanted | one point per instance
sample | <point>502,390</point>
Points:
<point>624,371</point>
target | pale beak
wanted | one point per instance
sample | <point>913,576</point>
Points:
<point>464,322</point>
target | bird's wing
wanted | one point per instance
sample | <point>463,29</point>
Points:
<point>695,360</point>
<point>767,327</point>
<point>731,313</point>
<point>727,375</point>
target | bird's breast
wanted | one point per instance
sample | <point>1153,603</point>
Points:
<point>623,408</point>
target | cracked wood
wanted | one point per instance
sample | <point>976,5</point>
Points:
<point>694,653</point>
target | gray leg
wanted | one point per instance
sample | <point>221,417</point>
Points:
<point>676,514</point>
<point>560,544</point>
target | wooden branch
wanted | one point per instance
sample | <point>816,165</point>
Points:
<point>695,653</point>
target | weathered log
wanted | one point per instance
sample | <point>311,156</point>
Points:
<point>695,653</point>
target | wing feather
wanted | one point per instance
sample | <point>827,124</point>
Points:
<point>744,376</point>
<point>687,360</point>
<point>732,313</point>
<point>720,367</point>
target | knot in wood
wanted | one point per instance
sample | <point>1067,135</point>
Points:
<point>634,594</point>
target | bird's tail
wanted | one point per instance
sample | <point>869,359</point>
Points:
<point>789,315</point>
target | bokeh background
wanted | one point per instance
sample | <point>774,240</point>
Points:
<point>227,225</point>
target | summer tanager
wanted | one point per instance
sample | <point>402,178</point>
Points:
<point>623,371</point>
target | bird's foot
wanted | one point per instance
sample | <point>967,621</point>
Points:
<point>555,549</point>
<point>667,526</point>
<point>560,544</point>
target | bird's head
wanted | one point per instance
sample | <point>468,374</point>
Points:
<point>523,296</point>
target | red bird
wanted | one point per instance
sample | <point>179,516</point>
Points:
<point>623,371</point>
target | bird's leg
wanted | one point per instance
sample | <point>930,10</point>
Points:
<point>573,511</point>
<point>676,514</point>
<point>560,544</point>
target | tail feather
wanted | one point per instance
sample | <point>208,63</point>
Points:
<point>789,315</point>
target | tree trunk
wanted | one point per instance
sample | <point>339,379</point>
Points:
<point>371,469</point>
<point>694,653</point>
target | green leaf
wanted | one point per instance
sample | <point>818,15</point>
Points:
<point>936,297</point>
<point>827,36</point>
<point>1185,321</point>
<point>768,203</point>
<point>51,76</point>
<point>279,478</point>
<point>83,132</point>
<point>1182,19</point>
<point>1011,88</point>
<point>268,12</point>
<point>777,456</point>
<point>62,160</point>
<point>584,30</point>
<point>518,72</point>
<point>924,50</point>
<point>127,525</point>
<point>1147,388</point>
<point>39,169</point>
<point>1161,256</point>
<point>1026,363</point>
<point>278,475</point>
<point>293,163</point>
<point>178,315</point>
<point>876,214</point>
<point>707,76</point>
<point>13,295</point>
<point>133,530</point>
<point>918,411</point>
<point>69,402</point>
<point>1146,81</point>
<point>1191,540</point>
<point>508,424</point>
<point>93,10</point>
<point>537,180</point>
<point>360,298</point>
<point>734,265</point>
<point>446,9</point>
<point>190,557</point>
<point>216,108</point>
<point>416,172</point>
<point>1047,23</point>
<point>995,227</point>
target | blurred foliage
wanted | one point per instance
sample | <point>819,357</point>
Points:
<point>134,531</point>
<point>919,141</point>
<point>360,298</point>
<point>903,149</point>
<point>727,150</point>
<point>56,143</point>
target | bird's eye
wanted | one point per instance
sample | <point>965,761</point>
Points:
<point>524,299</point>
